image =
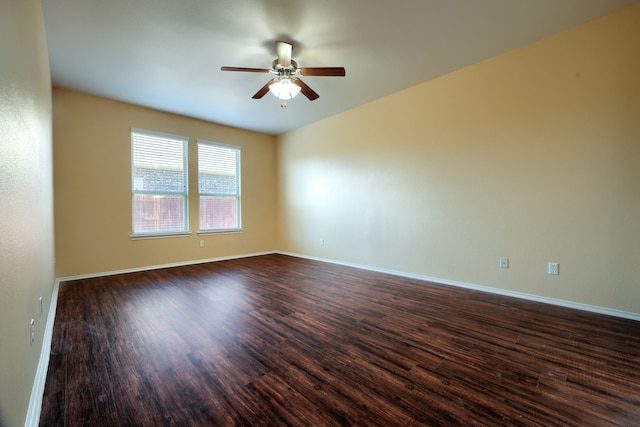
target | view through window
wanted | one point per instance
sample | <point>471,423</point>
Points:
<point>159,183</point>
<point>219,186</point>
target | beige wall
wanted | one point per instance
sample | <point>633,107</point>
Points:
<point>26,201</point>
<point>92,174</point>
<point>533,155</point>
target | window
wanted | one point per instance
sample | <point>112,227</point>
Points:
<point>159,183</point>
<point>219,186</point>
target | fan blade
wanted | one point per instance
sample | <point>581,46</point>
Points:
<point>306,90</point>
<point>264,89</point>
<point>284,53</point>
<point>323,71</point>
<point>248,70</point>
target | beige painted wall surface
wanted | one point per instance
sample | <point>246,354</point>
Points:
<point>92,174</point>
<point>26,201</point>
<point>533,155</point>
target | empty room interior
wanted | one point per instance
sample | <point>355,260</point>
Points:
<point>320,213</point>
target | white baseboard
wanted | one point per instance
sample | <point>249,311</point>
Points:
<point>521,295</point>
<point>37,391</point>
<point>158,266</point>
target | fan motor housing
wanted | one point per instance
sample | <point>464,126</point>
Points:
<point>284,71</point>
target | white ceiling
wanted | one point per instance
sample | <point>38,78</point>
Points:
<point>167,54</point>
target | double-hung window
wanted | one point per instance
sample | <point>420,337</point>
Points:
<point>219,186</point>
<point>159,183</point>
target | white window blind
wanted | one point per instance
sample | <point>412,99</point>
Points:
<point>159,183</point>
<point>219,186</point>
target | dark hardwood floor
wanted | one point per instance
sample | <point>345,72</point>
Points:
<point>276,340</point>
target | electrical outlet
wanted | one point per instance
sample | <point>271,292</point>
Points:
<point>504,262</point>
<point>553,268</point>
<point>202,243</point>
<point>321,242</point>
<point>33,331</point>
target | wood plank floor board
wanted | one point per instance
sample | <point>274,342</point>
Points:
<point>308,380</point>
<point>276,340</point>
<point>319,374</point>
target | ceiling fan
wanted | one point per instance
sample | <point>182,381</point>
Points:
<point>287,84</point>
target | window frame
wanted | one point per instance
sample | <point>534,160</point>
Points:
<point>184,140</point>
<point>237,195</point>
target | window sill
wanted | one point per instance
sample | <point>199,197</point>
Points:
<point>159,235</point>
<point>227,231</point>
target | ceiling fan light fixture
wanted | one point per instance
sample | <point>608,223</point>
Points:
<point>286,84</point>
<point>284,89</point>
